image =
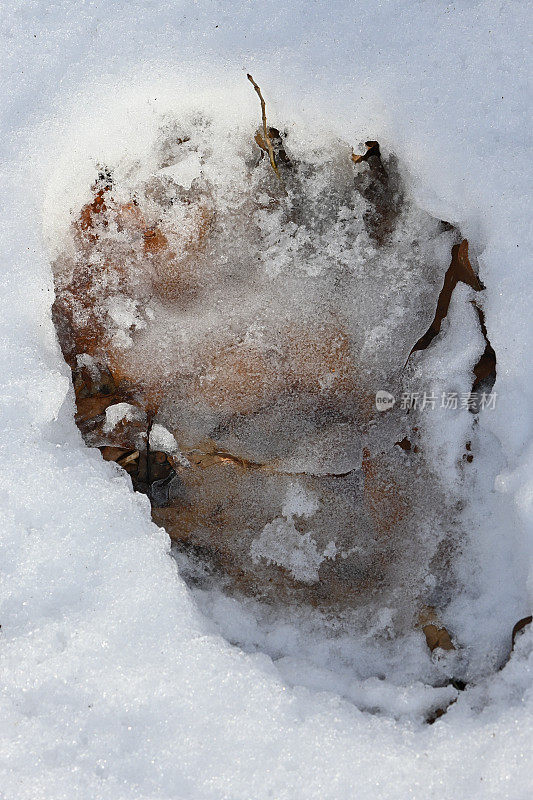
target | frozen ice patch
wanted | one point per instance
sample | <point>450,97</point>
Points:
<point>184,172</point>
<point>299,502</point>
<point>282,544</point>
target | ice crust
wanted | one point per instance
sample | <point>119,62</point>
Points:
<point>114,683</point>
<point>258,316</point>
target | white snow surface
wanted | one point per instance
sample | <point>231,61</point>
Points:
<point>114,682</point>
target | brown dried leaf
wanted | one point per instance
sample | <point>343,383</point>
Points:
<point>90,407</point>
<point>437,637</point>
<point>520,625</point>
<point>460,270</point>
<point>113,453</point>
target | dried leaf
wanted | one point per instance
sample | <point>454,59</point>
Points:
<point>437,637</point>
<point>460,270</point>
<point>91,407</point>
<point>520,625</point>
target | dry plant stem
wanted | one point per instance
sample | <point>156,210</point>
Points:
<point>265,129</point>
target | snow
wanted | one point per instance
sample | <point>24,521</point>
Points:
<point>117,680</point>
<point>161,439</point>
<point>299,502</point>
<point>280,542</point>
<point>118,412</point>
<point>184,172</point>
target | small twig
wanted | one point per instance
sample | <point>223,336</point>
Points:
<point>266,137</point>
<point>148,465</point>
